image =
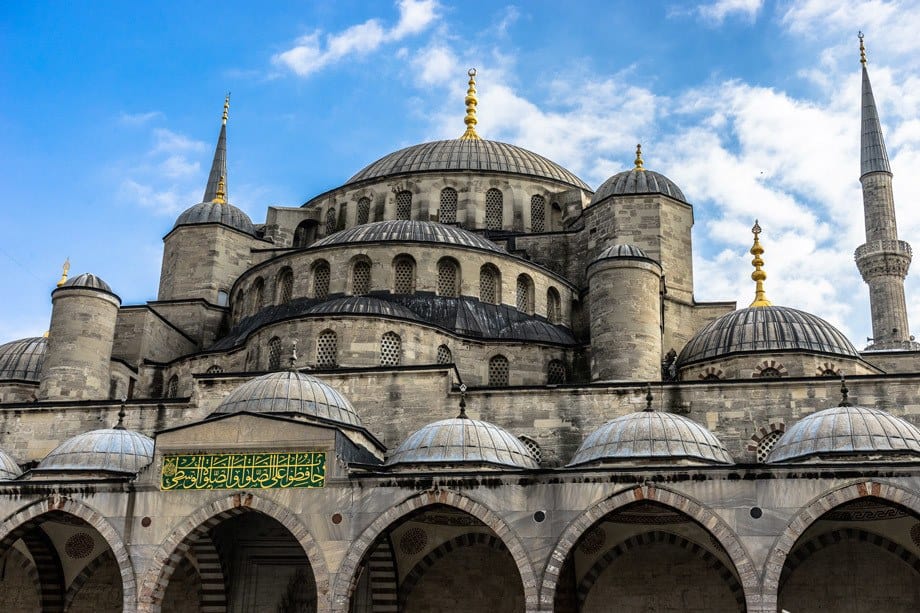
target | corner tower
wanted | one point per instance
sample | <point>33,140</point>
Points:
<point>883,260</point>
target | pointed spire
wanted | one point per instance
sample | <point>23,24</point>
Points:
<point>121,416</point>
<point>462,414</point>
<point>874,156</point>
<point>471,102</point>
<point>64,271</point>
<point>216,190</point>
<point>844,393</point>
<point>759,275</point>
<point>648,398</point>
<point>639,164</point>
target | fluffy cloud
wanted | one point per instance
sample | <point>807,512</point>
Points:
<point>716,12</point>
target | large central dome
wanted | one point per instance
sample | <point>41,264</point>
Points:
<point>467,155</point>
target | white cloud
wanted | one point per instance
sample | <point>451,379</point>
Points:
<point>313,52</point>
<point>436,65</point>
<point>716,12</point>
<point>138,119</point>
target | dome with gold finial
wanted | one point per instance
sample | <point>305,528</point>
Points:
<point>638,180</point>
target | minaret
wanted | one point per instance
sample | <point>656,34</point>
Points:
<point>883,260</point>
<point>216,189</point>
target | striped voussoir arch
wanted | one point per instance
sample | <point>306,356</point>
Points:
<point>106,557</point>
<point>49,568</point>
<point>17,558</point>
<point>211,575</point>
<point>381,566</point>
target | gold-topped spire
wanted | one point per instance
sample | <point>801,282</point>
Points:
<point>471,102</point>
<point>220,197</point>
<point>66,269</point>
<point>638,162</point>
<point>226,109</point>
<point>759,276</point>
<point>862,49</point>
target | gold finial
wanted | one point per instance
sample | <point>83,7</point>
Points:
<point>638,161</point>
<point>221,196</point>
<point>226,109</point>
<point>759,276</point>
<point>64,273</point>
<point>471,102</point>
<point>862,49</point>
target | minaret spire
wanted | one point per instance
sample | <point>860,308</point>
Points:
<point>874,156</point>
<point>216,190</point>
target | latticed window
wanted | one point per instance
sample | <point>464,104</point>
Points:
<point>533,447</point>
<point>770,373</point>
<point>321,280</point>
<point>258,294</point>
<point>444,355</point>
<point>172,388</point>
<point>489,286</point>
<point>447,213</point>
<point>404,276</point>
<point>156,386</point>
<point>553,305</point>
<point>327,347</point>
<point>537,213</point>
<point>524,294</point>
<point>361,278</point>
<point>765,445</point>
<point>390,349</point>
<point>216,368</point>
<point>404,205</point>
<point>447,278</point>
<point>494,206</point>
<point>274,354</point>
<point>285,286</point>
<point>498,371</point>
<point>364,211</point>
<point>555,372</point>
<point>330,221</point>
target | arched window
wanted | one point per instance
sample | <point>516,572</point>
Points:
<point>321,280</point>
<point>524,294</point>
<point>258,295</point>
<point>305,233</point>
<point>448,278</point>
<point>274,354</point>
<point>553,306</point>
<point>361,278</point>
<point>215,368</point>
<point>172,388</point>
<point>537,213</point>
<point>364,211</point>
<point>490,287</point>
<point>533,447</point>
<point>444,355</point>
<point>494,209</point>
<point>156,385</point>
<point>285,285</point>
<point>447,213</point>
<point>330,221</point>
<point>555,372</point>
<point>390,349</point>
<point>766,444</point>
<point>404,205</point>
<point>770,373</point>
<point>403,275</point>
<point>498,371</point>
<point>327,347</point>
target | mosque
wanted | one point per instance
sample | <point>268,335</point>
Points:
<point>466,381</point>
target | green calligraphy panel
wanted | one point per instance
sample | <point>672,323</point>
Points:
<point>234,471</point>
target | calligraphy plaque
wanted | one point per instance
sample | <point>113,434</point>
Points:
<point>234,471</point>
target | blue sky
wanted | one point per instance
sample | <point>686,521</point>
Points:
<point>109,112</point>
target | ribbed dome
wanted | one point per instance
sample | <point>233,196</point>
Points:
<point>463,441</point>
<point>771,328</point>
<point>648,435</point>
<point>23,359</point>
<point>216,212</point>
<point>847,431</point>
<point>361,305</point>
<point>634,181</point>
<point>9,469</point>
<point>289,392</point>
<point>110,449</point>
<point>409,231</point>
<point>621,251</point>
<point>467,155</point>
<point>88,280</point>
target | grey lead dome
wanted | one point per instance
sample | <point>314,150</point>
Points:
<point>109,449</point>
<point>635,181</point>
<point>23,359</point>
<point>87,280</point>
<point>216,212</point>
<point>411,232</point>
<point>9,469</point>
<point>622,251</point>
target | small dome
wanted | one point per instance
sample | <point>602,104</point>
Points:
<point>637,181</point>
<point>467,155</point>
<point>9,469</point>
<point>463,441</point>
<point>216,212</point>
<point>290,392</point>
<point>847,431</point>
<point>23,359</point>
<point>361,305</point>
<point>770,328</point>
<point>88,280</point>
<point>648,435</point>
<point>622,251</point>
<point>110,449</point>
<point>404,231</point>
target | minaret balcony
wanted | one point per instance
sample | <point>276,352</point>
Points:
<point>883,257</point>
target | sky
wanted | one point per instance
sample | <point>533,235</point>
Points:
<point>109,112</point>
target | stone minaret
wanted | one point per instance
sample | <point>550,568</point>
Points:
<point>883,260</point>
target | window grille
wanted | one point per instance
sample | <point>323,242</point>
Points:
<point>488,285</point>
<point>447,213</point>
<point>494,205</point>
<point>765,445</point>
<point>172,388</point>
<point>390,349</point>
<point>533,447</point>
<point>216,368</point>
<point>555,372</point>
<point>364,211</point>
<point>404,205</point>
<point>498,371</point>
<point>330,221</point>
<point>404,276</point>
<point>537,213</point>
<point>769,373</point>
<point>156,386</point>
<point>553,313</point>
<point>361,278</point>
<point>524,294</point>
<point>274,354</point>
<point>285,286</point>
<point>444,355</point>
<point>321,280</point>
<point>327,347</point>
<point>447,279</point>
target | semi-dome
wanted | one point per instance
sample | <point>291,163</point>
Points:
<point>290,392</point>
<point>216,212</point>
<point>409,231</point>
<point>87,280</point>
<point>463,441</point>
<point>651,435</point>
<point>765,328</point>
<point>109,449</point>
<point>23,359</point>
<point>361,305</point>
<point>847,431</point>
<point>622,252</point>
<point>637,181</point>
<point>9,469</point>
<point>459,155</point>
